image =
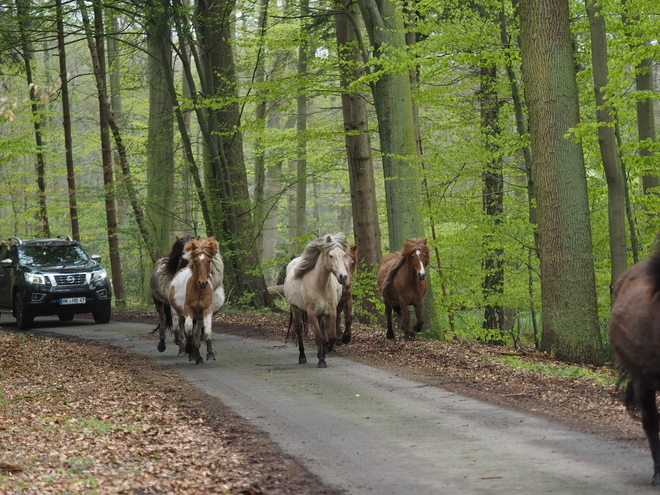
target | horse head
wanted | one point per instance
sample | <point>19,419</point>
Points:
<point>351,262</point>
<point>417,251</point>
<point>334,257</point>
<point>200,254</point>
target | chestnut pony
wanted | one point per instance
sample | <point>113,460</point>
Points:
<point>191,297</point>
<point>313,287</point>
<point>635,338</point>
<point>346,301</point>
<point>402,281</point>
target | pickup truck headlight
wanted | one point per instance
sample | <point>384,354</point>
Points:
<point>99,275</point>
<point>35,278</point>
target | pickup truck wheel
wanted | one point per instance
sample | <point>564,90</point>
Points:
<point>102,316</point>
<point>23,318</point>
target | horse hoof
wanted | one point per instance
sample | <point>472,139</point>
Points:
<point>302,360</point>
<point>410,336</point>
<point>339,343</point>
<point>390,335</point>
<point>210,356</point>
<point>322,364</point>
<point>161,346</point>
<point>656,479</point>
<point>199,361</point>
<point>345,339</point>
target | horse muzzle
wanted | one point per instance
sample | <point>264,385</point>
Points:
<point>342,279</point>
<point>202,285</point>
<point>421,276</point>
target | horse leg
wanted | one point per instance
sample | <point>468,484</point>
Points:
<point>348,321</point>
<point>318,339</point>
<point>340,308</point>
<point>330,329</point>
<point>419,316</point>
<point>188,331</point>
<point>197,337</point>
<point>388,315</point>
<point>298,325</point>
<point>208,336</point>
<point>645,398</point>
<point>160,309</point>
<point>405,323</point>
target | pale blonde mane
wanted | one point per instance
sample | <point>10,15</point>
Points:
<point>314,249</point>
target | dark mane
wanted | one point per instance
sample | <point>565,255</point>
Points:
<point>654,271</point>
<point>409,247</point>
<point>314,249</point>
<point>174,260</point>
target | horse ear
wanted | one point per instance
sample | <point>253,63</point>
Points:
<point>424,241</point>
<point>353,248</point>
<point>328,239</point>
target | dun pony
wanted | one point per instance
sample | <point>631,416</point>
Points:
<point>313,288</point>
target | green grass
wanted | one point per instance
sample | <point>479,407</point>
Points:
<point>604,375</point>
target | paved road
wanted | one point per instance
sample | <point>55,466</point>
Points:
<point>370,432</point>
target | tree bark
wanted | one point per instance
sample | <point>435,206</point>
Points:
<point>22,9</point>
<point>160,132</point>
<point>66,124</point>
<point>366,226</point>
<point>568,288</point>
<point>95,39</point>
<point>607,143</point>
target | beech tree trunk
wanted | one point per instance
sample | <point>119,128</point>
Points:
<point>568,285</point>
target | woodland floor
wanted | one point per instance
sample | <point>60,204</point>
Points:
<point>79,417</point>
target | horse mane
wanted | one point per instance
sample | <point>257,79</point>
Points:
<point>208,246</point>
<point>217,274</point>
<point>654,271</point>
<point>314,249</point>
<point>173,260</point>
<point>409,247</point>
<point>352,253</point>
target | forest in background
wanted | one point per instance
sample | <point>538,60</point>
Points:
<point>267,124</point>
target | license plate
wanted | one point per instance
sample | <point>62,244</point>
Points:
<point>72,300</point>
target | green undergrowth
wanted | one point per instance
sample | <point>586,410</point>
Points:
<point>605,375</point>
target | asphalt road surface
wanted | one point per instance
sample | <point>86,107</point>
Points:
<point>368,431</point>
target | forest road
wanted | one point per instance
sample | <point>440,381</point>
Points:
<point>368,431</point>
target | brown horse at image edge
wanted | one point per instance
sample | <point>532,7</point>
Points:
<point>634,333</point>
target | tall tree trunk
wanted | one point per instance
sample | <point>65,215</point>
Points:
<point>568,284</point>
<point>607,142</point>
<point>396,128</point>
<point>366,226</point>
<point>301,124</point>
<point>98,63</point>
<point>160,133</point>
<point>260,208</point>
<point>95,42</point>
<point>24,16</point>
<point>227,176</point>
<point>66,124</point>
<point>493,206</point>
